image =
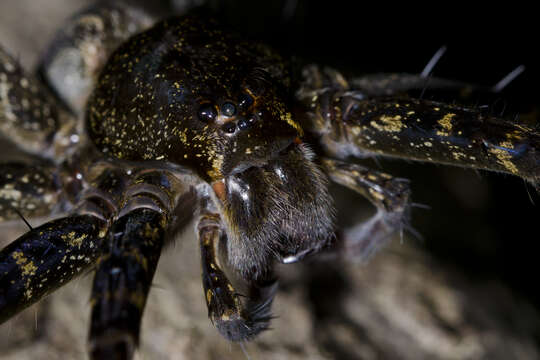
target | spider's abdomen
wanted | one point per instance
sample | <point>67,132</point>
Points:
<point>189,92</point>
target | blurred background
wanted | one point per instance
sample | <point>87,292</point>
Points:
<point>467,290</point>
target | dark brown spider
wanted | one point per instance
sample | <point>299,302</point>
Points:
<point>190,115</point>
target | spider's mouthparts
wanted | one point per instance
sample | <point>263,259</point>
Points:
<point>278,149</point>
<point>242,167</point>
<point>283,146</point>
<point>289,147</point>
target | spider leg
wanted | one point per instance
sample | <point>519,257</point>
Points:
<point>349,123</point>
<point>393,84</point>
<point>122,283</point>
<point>52,254</point>
<point>45,258</point>
<point>235,319</point>
<point>29,116</point>
<point>28,190</point>
<point>131,252</point>
<point>81,48</point>
<point>418,85</point>
<point>388,194</point>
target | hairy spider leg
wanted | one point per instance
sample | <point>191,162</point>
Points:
<point>351,124</point>
<point>29,190</point>
<point>30,117</point>
<point>32,120</point>
<point>428,69</point>
<point>235,320</point>
<point>420,87</point>
<point>83,44</point>
<point>390,196</point>
<point>122,283</point>
<point>54,253</point>
<point>130,256</point>
<point>511,76</point>
<point>429,87</point>
<point>394,84</point>
<point>45,258</point>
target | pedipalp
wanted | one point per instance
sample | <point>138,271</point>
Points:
<point>237,317</point>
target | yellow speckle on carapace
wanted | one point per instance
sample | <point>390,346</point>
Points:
<point>288,118</point>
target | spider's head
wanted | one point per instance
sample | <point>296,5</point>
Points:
<point>249,124</point>
<point>273,197</point>
<point>189,93</point>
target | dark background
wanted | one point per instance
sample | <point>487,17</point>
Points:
<point>485,224</point>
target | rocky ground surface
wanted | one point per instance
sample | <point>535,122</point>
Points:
<point>402,305</point>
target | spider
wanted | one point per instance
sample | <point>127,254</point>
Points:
<point>187,115</point>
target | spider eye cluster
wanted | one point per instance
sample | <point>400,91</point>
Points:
<point>228,109</point>
<point>207,113</point>
<point>245,101</point>
<point>246,123</point>
<point>242,123</point>
<point>236,117</point>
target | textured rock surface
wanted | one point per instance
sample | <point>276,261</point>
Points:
<point>402,305</point>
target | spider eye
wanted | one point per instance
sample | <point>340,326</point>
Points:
<point>245,101</point>
<point>207,112</point>
<point>228,109</point>
<point>229,127</point>
<point>246,123</point>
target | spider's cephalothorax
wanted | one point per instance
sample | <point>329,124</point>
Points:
<point>186,117</point>
<point>191,93</point>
